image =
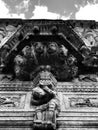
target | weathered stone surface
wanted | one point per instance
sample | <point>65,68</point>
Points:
<point>77,117</point>
<point>68,52</point>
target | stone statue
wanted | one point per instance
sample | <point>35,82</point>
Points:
<point>35,57</point>
<point>46,103</point>
<point>19,68</point>
<point>25,63</point>
<point>3,55</point>
<point>52,48</point>
<point>72,63</point>
<point>39,48</point>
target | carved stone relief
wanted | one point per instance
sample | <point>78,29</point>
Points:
<point>45,101</point>
<point>89,36</point>
<point>78,101</point>
<point>43,63</point>
<point>83,102</point>
<point>12,101</point>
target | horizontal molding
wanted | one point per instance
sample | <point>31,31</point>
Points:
<point>61,86</point>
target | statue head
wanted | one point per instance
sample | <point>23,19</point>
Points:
<point>72,60</point>
<point>19,60</point>
<point>27,51</point>
<point>39,48</point>
<point>52,48</point>
<point>38,93</point>
<point>90,38</point>
<point>63,52</point>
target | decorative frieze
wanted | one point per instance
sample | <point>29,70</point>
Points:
<point>90,87</point>
<point>83,102</point>
<point>8,101</point>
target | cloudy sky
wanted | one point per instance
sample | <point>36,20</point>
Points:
<point>49,9</point>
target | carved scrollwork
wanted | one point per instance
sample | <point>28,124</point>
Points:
<point>84,102</point>
<point>89,36</point>
<point>12,101</point>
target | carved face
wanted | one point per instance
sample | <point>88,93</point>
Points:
<point>17,70</point>
<point>38,93</point>
<point>26,51</point>
<point>90,39</point>
<point>52,48</point>
<point>63,52</point>
<point>39,48</point>
<point>79,30</point>
<point>71,60</point>
<point>19,60</point>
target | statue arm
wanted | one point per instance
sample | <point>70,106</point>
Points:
<point>35,102</point>
<point>39,102</point>
<point>49,91</point>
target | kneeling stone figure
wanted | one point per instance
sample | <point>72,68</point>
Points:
<point>47,107</point>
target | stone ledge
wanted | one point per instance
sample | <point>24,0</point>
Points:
<point>61,87</point>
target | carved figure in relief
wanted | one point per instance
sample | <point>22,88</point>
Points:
<point>63,52</point>
<point>66,68</point>
<point>24,64</point>
<point>88,36</point>
<point>19,66</point>
<point>4,55</point>
<point>62,65</point>
<point>72,63</point>
<point>46,103</point>
<point>84,102</point>
<point>89,78</point>
<point>52,49</point>
<point>39,48</point>
<point>8,101</point>
<point>6,32</point>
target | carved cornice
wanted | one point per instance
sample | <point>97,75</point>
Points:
<point>48,29</point>
<point>61,87</point>
<point>78,87</point>
<point>62,123</point>
<point>13,86</point>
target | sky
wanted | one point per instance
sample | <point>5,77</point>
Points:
<point>49,9</point>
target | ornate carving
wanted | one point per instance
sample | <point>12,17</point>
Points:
<point>83,102</point>
<point>89,78</point>
<point>88,35</point>
<point>12,101</point>
<point>36,53</point>
<point>25,64</point>
<point>7,43</point>
<point>90,38</point>
<point>34,58</point>
<point>45,100</point>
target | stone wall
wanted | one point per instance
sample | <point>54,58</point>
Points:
<point>78,101</point>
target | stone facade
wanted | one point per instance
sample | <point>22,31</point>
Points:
<point>48,74</point>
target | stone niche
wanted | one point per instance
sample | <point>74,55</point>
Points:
<point>48,75</point>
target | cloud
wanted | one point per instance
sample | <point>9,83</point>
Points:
<point>5,12</point>
<point>14,15</point>
<point>41,12</point>
<point>23,6</point>
<point>49,9</point>
<point>88,12</point>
